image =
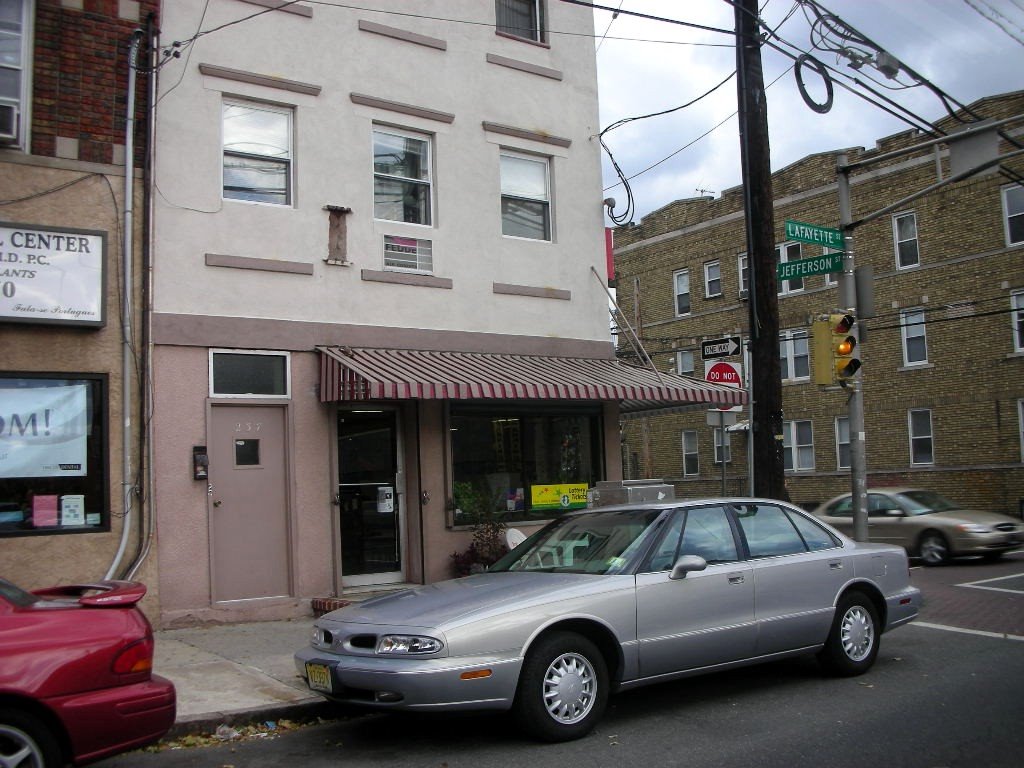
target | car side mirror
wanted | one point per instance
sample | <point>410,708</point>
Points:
<point>685,564</point>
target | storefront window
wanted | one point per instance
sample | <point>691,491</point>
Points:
<point>53,454</point>
<point>522,464</point>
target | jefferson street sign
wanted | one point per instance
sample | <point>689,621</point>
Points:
<point>815,235</point>
<point>816,265</point>
<point>713,348</point>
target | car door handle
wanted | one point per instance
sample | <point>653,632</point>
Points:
<point>736,578</point>
<point>836,565</point>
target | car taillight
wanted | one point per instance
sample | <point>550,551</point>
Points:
<point>137,657</point>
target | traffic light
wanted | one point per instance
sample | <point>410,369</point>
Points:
<point>836,357</point>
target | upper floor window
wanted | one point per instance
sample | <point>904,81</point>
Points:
<point>684,362</point>
<point>257,152</point>
<point>744,272</point>
<point>915,342</point>
<point>520,18</point>
<point>794,358</point>
<point>922,450</point>
<point>712,279</point>
<point>401,176</point>
<point>525,196</point>
<point>842,442</point>
<point>904,234</point>
<point>15,38</point>
<point>681,281</point>
<point>798,445</point>
<point>789,252</point>
<point>1017,318</point>
<point>691,462</point>
<point>1013,204</point>
<point>723,446</point>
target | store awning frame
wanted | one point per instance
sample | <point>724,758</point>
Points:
<point>360,374</point>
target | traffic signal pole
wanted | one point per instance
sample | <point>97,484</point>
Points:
<point>855,403</point>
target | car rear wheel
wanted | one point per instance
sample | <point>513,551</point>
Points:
<point>852,643</point>
<point>563,688</point>
<point>26,742</point>
<point>933,548</point>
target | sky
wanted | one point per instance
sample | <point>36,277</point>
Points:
<point>647,66</point>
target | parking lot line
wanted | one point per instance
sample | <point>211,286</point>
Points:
<point>961,630</point>
<point>1018,590</point>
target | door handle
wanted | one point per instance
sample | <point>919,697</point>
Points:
<point>836,565</point>
<point>217,503</point>
<point>736,578</point>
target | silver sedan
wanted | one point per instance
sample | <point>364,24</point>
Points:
<point>612,599</point>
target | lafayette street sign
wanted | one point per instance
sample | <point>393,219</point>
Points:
<point>726,347</point>
<point>815,235</point>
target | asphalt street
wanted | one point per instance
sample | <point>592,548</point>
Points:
<point>946,691</point>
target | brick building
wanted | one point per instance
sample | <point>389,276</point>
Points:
<point>72,259</point>
<point>943,356</point>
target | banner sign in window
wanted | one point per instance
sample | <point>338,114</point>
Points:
<point>44,431</point>
<point>52,275</point>
<point>564,496</point>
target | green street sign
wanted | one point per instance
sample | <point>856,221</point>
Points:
<point>817,265</point>
<point>815,235</point>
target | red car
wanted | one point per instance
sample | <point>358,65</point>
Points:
<point>76,675</point>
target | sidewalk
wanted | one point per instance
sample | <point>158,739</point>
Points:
<point>235,673</point>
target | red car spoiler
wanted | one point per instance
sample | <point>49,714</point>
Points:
<point>100,594</point>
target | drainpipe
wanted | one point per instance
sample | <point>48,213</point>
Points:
<point>128,488</point>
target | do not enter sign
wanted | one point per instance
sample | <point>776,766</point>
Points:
<point>727,374</point>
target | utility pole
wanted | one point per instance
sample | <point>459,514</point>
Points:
<point>765,372</point>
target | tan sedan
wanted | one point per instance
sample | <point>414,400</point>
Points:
<point>927,524</point>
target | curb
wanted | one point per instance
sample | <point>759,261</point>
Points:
<point>207,722</point>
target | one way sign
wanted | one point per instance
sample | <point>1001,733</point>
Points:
<point>715,348</point>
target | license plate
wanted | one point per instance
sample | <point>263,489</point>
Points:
<point>318,677</point>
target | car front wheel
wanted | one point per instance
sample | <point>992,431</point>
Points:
<point>563,688</point>
<point>933,548</point>
<point>25,741</point>
<point>852,643</point>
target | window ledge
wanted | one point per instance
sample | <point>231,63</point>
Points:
<point>253,78</point>
<point>1016,354</point>
<point>520,39</point>
<point>406,278</point>
<point>916,367</point>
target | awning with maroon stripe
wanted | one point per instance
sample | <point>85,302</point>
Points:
<point>361,374</point>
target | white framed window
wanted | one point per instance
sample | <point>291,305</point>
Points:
<point>919,427</point>
<point>402,186</point>
<point>794,357</point>
<point>246,373</point>
<point>789,252</point>
<point>681,288</point>
<point>408,254</point>
<point>1017,318</point>
<point>743,269</point>
<point>15,71</point>
<point>712,279</point>
<point>842,442</point>
<point>1020,424</point>
<point>904,236</point>
<point>915,340</point>
<point>1013,210</point>
<point>798,445</point>
<point>718,446</point>
<point>520,18</point>
<point>257,152</point>
<point>684,362</point>
<point>691,461</point>
<point>525,196</point>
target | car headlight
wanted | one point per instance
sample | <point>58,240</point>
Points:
<point>408,644</point>
<point>973,528</point>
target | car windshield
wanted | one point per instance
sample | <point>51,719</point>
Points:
<point>923,502</point>
<point>592,542</point>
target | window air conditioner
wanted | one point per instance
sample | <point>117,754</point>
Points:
<point>743,293</point>
<point>8,123</point>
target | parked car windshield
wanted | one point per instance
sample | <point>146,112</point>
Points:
<point>923,502</point>
<point>593,542</point>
